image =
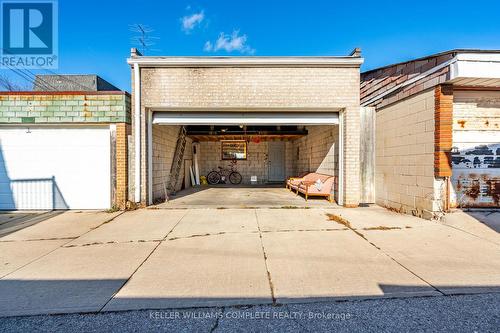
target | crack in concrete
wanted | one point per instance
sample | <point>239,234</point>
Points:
<point>269,278</point>
<point>112,242</point>
<point>343,221</point>
<point>302,230</point>
<point>46,254</point>
<point>37,239</point>
<point>382,227</point>
<point>250,232</point>
<point>194,236</point>
<point>211,234</point>
<point>469,233</point>
<point>142,263</point>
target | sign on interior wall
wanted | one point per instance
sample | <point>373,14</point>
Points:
<point>234,150</point>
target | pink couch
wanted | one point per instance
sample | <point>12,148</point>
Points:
<point>293,182</point>
<point>306,185</point>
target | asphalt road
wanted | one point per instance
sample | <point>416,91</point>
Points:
<point>462,313</point>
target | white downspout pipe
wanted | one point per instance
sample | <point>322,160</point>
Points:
<point>137,132</point>
<point>340,199</point>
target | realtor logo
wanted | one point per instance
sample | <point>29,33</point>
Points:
<point>29,34</point>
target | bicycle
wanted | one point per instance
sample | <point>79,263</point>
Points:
<point>219,177</point>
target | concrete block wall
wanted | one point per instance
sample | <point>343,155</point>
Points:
<point>317,151</point>
<point>404,177</point>
<point>351,139</point>
<point>64,107</point>
<point>476,111</point>
<point>320,148</point>
<point>256,163</point>
<point>255,88</point>
<point>247,87</point>
<point>164,143</point>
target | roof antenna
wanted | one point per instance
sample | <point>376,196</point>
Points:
<point>143,40</point>
<point>356,52</point>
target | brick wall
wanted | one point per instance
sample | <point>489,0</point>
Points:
<point>64,107</point>
<point>443,116</point>
<point>121,162</point>
<point>404,177</point>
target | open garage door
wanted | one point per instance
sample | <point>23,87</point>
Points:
<point>246,118</point>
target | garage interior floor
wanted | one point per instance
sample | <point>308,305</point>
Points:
<point>230,196</point>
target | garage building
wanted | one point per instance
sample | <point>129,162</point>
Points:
<point>287,115</point>
<point>437,131</point>
<point>64,145</point>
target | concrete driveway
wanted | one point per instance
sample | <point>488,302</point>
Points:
<point>13,221</point>
<point>178,258</point>
<point>242,196</point>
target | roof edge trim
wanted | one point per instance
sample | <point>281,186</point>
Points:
<point>246,61</point>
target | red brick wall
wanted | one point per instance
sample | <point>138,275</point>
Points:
<point>443,133</point>
<point>122,130</point>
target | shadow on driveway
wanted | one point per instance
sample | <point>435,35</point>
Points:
<point>489,217</point>
<point>33,297</point>
<point>14,221</point>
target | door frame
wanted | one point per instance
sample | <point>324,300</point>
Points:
<point>221,116</point>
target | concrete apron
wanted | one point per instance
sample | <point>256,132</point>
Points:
<point>242,197</point>
<point>153,259</point>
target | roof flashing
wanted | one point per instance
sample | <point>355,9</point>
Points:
<point>241,61</point>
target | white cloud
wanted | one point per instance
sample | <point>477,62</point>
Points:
<point>229,43</point>
<point>191,21</point>
<point>208,46</point>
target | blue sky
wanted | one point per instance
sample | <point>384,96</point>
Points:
<point>94,36</point>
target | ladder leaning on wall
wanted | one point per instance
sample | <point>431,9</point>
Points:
<point>177,161</point>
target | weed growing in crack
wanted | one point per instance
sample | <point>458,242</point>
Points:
<point>382,227</point>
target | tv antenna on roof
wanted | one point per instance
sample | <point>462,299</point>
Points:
<point>144,40</point>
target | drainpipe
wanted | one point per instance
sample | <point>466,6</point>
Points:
<point>447,195</point>
<point>137,132</point>
<point>340,178</point>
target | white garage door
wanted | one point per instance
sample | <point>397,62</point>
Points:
<point>54,168</point>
